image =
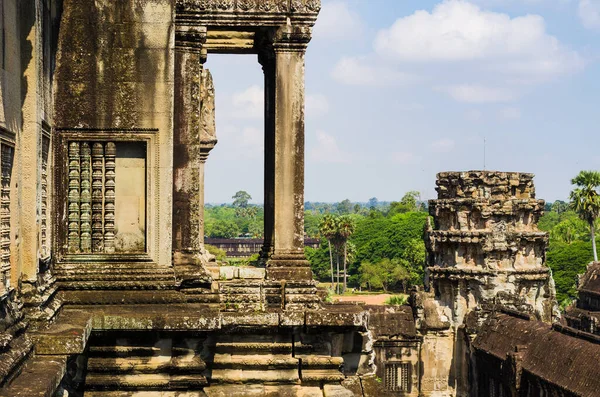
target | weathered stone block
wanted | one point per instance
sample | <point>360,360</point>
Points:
<point>252,273</point>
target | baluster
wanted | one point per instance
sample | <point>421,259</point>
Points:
<point>6,165</point>
<point>44,248</point>
<point>110,154</point>
<point>74,186</point>
<point>97,197</point>
<point>86,198</point>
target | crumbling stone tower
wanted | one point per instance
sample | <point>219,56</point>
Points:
<point>485,247</point>
<point>484,252</point>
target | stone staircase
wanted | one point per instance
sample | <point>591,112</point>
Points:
<point>129,367</point>
<point>109,276</point>
<point>263,364</point>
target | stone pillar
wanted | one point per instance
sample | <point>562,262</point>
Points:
<point>194,137</point>
<point>288,261</point>
<point>267,60</point>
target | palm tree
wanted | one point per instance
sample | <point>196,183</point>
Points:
<point>346,227</point>
<point>585,201</point>
<point>327,229</point>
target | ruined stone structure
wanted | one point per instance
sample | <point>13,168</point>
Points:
<point>584,314</point>
<point>106,288</point>
<point>484,251</point>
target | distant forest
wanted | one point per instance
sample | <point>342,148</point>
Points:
<point>384,248</point>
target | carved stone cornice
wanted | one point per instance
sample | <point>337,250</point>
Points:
<point>261,6</point>
<point>292,38</point>
<point>248,12</point>
<point>190,38</point>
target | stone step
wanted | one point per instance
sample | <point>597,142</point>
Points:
<point>262,391</point>
<point>321,376</point>
<point>112,285</point>
<point>104,266</point>
<point>280,376</point>
<point>146,393</point>
<point>114,276</point>
<point>254,361</point>
<point>162,382</point>
<point>243,348</point>
<point>124,351</point>
<point>320,362</point>
<point>146,365</point>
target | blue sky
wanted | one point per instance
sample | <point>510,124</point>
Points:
<point>398,90</point>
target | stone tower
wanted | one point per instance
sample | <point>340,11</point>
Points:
<point>484,252</point>
<point>485,248</point>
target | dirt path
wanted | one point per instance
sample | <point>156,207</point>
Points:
<point>367,299</point>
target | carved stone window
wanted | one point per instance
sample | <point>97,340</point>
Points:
<point>7,152</point>
<point>44,199</point>
<point>106,197</point>
<point>398,377</point>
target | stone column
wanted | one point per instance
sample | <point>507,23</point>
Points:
<point>267,60</point>
<point>288,261</point>
<point>193,139</point>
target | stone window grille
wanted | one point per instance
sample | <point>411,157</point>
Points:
<point>397,377</point>
<point>44,204</point>
<point>6,165</point>
<point>91,198</point>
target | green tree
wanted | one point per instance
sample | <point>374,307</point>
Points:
<point>319,260</point>
<point>241,199</point>
<point>344,207</point>
<point>410,202</point>
<point>345,228</point>
<point>559,207</point>
<point>327,228</point>
<point>373,203</point>
<point>414,260</point>
<point>569,230</point>
<point>566,262</point>
<point>224,229</point>
<point>585,201</point>
<point>370,276</point>
<point>384,274</point>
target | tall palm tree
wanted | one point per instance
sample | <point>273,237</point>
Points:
<point>346,227</point>
<point>585,200</point>
<point>327,229</point>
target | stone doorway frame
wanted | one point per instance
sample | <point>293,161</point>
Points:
<point>278,31</point>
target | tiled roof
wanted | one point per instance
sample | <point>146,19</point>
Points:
<point>567,361</point>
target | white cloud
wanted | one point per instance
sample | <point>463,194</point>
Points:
<point>248,104</point>
<point>477,93</point>
<point>316,105</point>
<point>443,145</point>
<point>337,22</point>
<point>510,113</point>
<point>356,71</point>
<point>474,55</point>
<point>404,158</point>
<point>589,13</point>
<point>458,31</point>
<point>327,150</point>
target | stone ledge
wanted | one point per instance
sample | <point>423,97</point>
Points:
<point>65,337</point>
<point>40,378</point>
